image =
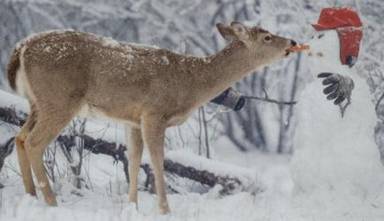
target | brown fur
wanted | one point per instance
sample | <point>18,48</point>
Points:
<point>148,88</point>
<point>13,66</point>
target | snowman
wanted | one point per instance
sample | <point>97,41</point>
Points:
<point>335,156</point>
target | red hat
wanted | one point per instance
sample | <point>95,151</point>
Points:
<point>348,25</point>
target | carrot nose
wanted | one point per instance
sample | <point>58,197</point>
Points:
<point>299,48</point>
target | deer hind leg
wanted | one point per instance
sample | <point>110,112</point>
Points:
<point>134,155</point>
<point>49,123</point>
<point>25,165</point>
<point>153,129</point>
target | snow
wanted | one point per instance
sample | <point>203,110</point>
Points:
<point>110,42</point>
<point>164,60</point>
<point>107,199</point>
<point>336,163</point>
<point>250,180</point>
<point>13,100</point>
<point>191,25</point>
<point>41,34</point>
<point>143,46</point>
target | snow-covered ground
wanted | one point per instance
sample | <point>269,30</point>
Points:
<point>151,22</point>
<point>107,199</point>
<point>106,196</point>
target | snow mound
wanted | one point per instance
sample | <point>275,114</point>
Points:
<point>250,181</point>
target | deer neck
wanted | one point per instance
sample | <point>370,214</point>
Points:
<point>225,68</point>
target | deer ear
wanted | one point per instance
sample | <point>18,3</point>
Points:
<point>225,31</point>
<point>240,30</point>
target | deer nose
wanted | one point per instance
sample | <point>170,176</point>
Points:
<point>293,43</point>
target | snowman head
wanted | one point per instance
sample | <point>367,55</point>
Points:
<point>325,48</point>
<point>338,36</point>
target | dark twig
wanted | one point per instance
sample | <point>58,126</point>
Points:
<point>379,102</point>
<point>343,108</point>
<point>6,150</point>
<point>270,100</point>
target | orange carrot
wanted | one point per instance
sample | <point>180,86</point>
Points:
<point>299,48</point>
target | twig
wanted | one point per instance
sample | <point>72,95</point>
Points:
<point>200,132</point>
<point>270,100</point>
<point>5,151</point>
<point>206,133</point>
<point>378,102</point>
<point>343,108</point>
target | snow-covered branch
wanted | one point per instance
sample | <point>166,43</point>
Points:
<point>199,169</point>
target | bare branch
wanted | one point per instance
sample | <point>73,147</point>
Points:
<point>270,100</point>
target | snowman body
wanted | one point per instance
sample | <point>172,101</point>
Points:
<point>333,154</point>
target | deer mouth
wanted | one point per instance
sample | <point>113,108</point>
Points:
<point>287,52</point>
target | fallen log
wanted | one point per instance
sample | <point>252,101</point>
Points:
<point>230,183</point>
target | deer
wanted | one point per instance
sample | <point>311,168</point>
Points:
<point>67,73</point>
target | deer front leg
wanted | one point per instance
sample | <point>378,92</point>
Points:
<point>153,130</point>
<point>135,152</point>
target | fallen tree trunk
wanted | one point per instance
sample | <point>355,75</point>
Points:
<point>234,182</point>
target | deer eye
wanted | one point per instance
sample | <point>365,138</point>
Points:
<point>268,38</point>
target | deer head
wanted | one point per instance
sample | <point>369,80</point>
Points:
<point>259,43</point>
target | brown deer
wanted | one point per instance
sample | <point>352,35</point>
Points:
<point>64,73</point>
